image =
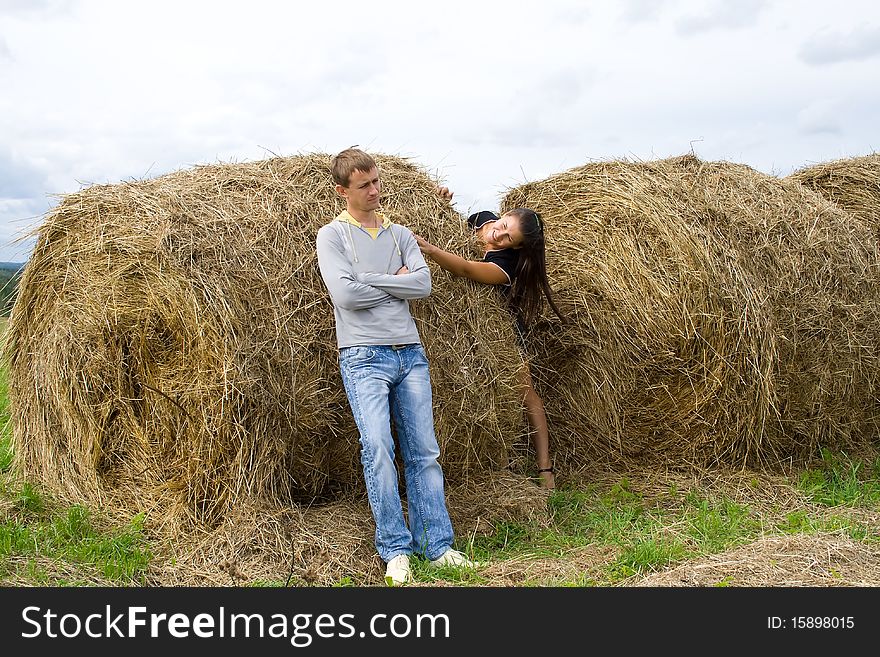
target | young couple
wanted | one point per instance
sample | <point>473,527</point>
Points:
<point>371,268</point>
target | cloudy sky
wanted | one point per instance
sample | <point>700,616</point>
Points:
<point>485,95</point>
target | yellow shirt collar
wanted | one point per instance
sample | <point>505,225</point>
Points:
<point>346,217</point>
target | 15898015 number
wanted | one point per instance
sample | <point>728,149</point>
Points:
<point>822,622</point>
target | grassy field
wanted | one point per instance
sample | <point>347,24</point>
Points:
<point>817,526</point>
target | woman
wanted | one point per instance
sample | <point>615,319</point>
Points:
<point>513,257</point>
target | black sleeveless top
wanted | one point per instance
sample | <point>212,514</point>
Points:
<point>507,260</point>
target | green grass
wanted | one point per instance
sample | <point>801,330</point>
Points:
<point>842,481</point>
<point>36,532</point>
<point>717,526</point>
<point>649,538</point>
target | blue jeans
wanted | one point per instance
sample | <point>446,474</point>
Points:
<point>384,382</point>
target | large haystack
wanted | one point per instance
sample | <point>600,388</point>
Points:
<point>719,314</point>
<point>852,183</point>
<point>172,345</point>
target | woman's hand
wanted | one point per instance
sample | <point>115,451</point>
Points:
<point>444,193</point>
<point>425,246</point>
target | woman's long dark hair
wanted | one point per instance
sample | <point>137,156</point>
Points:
<point>530,286</point>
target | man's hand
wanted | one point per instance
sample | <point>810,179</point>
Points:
<point>402,270</point>
<point>444,193</point>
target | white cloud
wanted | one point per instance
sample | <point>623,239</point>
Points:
<point>835,47</point>
<point>821,116</point>
<point>33,7</point>
<point>721,15</point>
<point>19,179</point>
<point>643,11</point>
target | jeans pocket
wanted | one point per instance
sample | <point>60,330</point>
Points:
<point>355,356</point>
<point>419,355</point>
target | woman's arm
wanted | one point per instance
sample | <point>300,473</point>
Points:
<point>476,270</point>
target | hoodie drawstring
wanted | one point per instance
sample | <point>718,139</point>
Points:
<point>351,240</point>
<point>354,250</point>
<point>391,228</point>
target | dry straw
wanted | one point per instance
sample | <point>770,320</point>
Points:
<point>852,183</point>
<point>800,560</point>
<point>719,315</point>
<point>323,544</point>
<point>172,348</point>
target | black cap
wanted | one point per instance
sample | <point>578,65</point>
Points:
<point>477,219</point>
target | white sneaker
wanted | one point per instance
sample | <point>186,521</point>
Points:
<point>398,572</point>
<point>454,558</point>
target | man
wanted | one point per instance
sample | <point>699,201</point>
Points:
<point>371,267</point>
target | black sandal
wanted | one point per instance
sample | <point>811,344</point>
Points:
<point>550,470</point>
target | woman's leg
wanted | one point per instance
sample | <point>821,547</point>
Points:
<point>540,432</point>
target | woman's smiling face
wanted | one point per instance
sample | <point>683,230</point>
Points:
<point>504,233</point>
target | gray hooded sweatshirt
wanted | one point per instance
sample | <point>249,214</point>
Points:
<point>369,301</point>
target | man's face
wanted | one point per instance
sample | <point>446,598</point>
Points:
<point>364,188</point>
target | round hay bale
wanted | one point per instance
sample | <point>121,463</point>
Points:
<point>172,346</point>
<point>852,183</point>
<point>719,314</point>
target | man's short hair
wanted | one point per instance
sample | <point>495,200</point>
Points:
<point>347,162</point>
